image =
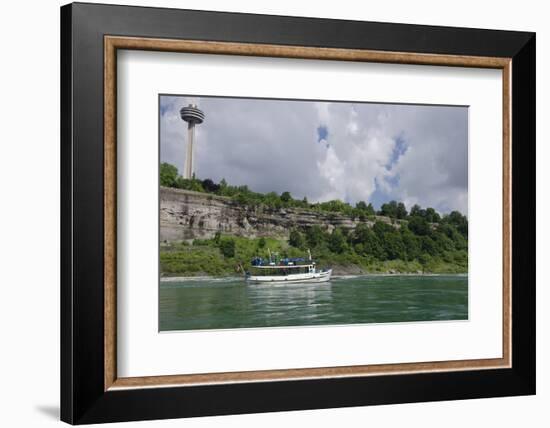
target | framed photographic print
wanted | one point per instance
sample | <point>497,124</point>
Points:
<point>265,213</point>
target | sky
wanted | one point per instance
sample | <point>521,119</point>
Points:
<point>416,154</point>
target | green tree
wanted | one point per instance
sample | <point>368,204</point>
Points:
<point>168,174</point>
<point>393,246</point>
<point>366,242</point>
<point>370,210</point>
<point>227,247</point>
<point>272,200</point>
<point>286,197</point>
<point>359,214</point>
<point>432,216</point>
<point>361,205</point>
<point>428,246</point>
<point>188,184</point>
<point>296,239</point>
<point>337,241</point>
<point>416,211</point>
<point>401,211</point>
<point>261,242</point>
<point>209,186</point>
<point>243,199</point>
<point>389,209</point>
<point>336,206</point>
<point>362,210</point>
<point>380,229</point>
<point>359,248</point>
<point>411,242</point>
<point>419,226</point>
<point>442,242</point>
<point>459,221</point>
<point>315,236</point>
<point>424,260</point>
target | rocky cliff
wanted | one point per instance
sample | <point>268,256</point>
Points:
<point>187,215</point>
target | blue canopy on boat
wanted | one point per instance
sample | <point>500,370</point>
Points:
<point>257,261</point>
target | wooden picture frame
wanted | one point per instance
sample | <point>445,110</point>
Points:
<point>91,390</point>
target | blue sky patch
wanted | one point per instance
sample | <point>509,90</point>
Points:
<point>322,133</point>
<point>164,107</point>
<point>399,149</point>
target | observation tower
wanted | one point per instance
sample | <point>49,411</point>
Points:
<point>193,116</point>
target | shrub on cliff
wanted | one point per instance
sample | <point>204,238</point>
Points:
<point>315,236</point>
<point>286,197</point>
<point>296,239</point>
<point>227,247</point>
<point>337,242</point>
<point>168,174</point>
<point>261,243</point>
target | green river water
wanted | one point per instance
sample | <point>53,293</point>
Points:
<point>230,303</point>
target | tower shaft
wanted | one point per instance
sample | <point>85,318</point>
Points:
<point>188,170</point>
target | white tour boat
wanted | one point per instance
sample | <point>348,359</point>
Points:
<point>286,271</point>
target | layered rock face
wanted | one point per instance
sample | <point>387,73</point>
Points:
<point>187,215</point>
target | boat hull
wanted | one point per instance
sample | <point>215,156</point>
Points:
<point>313,278</point>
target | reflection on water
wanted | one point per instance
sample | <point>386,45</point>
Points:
<point>230,303</point>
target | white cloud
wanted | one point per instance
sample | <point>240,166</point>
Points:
<point>333,170</point>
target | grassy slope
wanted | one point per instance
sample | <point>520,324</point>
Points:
<point>205,258</point>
